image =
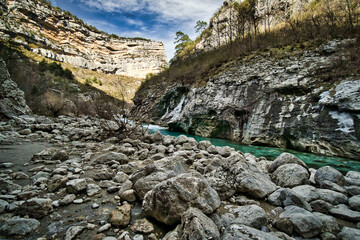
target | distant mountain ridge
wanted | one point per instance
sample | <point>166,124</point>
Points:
<point>58,35</point>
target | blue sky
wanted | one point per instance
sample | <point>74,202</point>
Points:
<point>153,19</point>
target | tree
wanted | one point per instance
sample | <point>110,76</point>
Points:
<point>182,41</point>
<point>200,26</point>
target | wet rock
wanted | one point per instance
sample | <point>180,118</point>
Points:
<point>349,234</point>
<point>3,205</point>
<point>342,211</point>
<point>142,226</point>
<point>76,185</point>
<point>285,158</point>
<point>169,199</point>
<point>249,215</point>
<point>35,207</point>
<point>329,174</point>
<point>238,231</point>
<point>286,197</point>
<point>73,231</point>
<point>332,197</point>
<point>290,175</point>
<point>304,223</point>
<point>110,157</point>
<point>354,203</point>
<point>307,192</point>
<point>18,226</point>
<point>128,195</point>
<point>352,178</point>
<point>92,189</point>
<point>60,155</point>
<point>121,216</point>
<point>56,182</point>
<point>69,198</point>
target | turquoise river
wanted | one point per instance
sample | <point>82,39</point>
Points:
<point>315,161</point>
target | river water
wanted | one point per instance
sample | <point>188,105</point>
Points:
<point>315,161</point>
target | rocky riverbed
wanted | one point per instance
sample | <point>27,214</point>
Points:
<point>80,184</point>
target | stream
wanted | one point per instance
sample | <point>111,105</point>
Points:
<point>312,160</point>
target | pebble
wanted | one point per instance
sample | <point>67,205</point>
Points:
<point>78,201</point>
<point>104,228</point>
<point>95,205</point>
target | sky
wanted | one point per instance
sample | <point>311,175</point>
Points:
<point>157,20</point>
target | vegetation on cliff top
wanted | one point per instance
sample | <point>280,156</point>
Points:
<point>320,20</point>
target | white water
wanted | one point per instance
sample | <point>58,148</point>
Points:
<point>345,121</point>
<point>176,111</point>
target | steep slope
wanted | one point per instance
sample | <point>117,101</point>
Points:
<point>58,35</point>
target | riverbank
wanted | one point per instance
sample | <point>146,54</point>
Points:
<point>87,183</point>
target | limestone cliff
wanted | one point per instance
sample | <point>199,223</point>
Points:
<point>60,36</point>
<point>291,101</point>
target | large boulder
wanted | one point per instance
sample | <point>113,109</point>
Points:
<point>304,223</point>
<point>354,203</point>
<point>328,173</point>
<point>332,197</point>
<point>286,197</point>
<point>168,200</point>
<point>285,158</point>
<point>307,192</point>
<point>18,226</point>
<point>35,207</point>
<point>148,177</point>
<point>290,175</point>
<point>349,234</point>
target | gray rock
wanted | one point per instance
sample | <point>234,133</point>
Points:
<point>121,216</point>
<point>78,201</point>
<point>128,195</point>
<point>329,223</point>
<point>238,231</point>
<point>56,182</point>
<point>307,192</point>
<point>181,139</point>
<point>328,173</point>
<point>73,231</point>
<point>321,206</point>
<point>342,211</point>
<point>354,203</point>
<point>352,178</point>
<point>3,205</point>
<point>120,177</point>
<point>352,190</point>
<point>35,207</point>
<point>104,228</point>
<point>285,158</point>
<point>169,199</point>
<point>40,174</point>
<point>157,137</point>
<point>290,175</point>
<point>287,197</point>
<point>19,176</point>
<point>92,189</point>
<point>69,198</point>
<point>157,156</point>
<point>110,157</point>
<point>76,185</point>
<point>102,174</point>
<point>349,234</point>
<point>304,223</point>
<point>18,226</point>
<point>333,186</point>
<point>60,155</point>
<point>225,151</point>
<point>95,205</point>
<point>142,226</point>
<point>203,145</point>
<point>127,185</point>
<point>332,197</point>
<point>25,131</point>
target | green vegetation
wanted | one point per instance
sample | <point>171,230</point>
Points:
<point>56,69</point>
<point>89,81</point>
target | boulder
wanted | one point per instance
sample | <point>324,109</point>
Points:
<point>225,151</point>
<point>354,203</point>
<point>238,231</point>
<point>328,173</point>
<point>56,182</point>
<point>109,157</point>
<point>72,232</point>
<point>332,197</point>
<point>128,195</point>
<point>353,190</point>
<point>157,137</point>
<point>286,197</point>
<point>121,216</point>
<point>307,192</point>
<point>342,211</point>
<point>349,234</point>
<point>102,174</point>
<point>352,178</point>
<point>68,199</point>
<point>329,223</point>
<point>35,207</point>
<point>290,175</point>
<point>61,155</point>
<point>285,158</point>
<point>18,226</point>
<point>76,185</point>
<point>321,206</point>
<point>3,205</point>
<point>142,226</point>
<point>92,189</point>
<point>169,199</point>
<point>304,223</point>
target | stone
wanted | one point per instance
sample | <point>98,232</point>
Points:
<point>120,177</point>
<point>287,197</point>
<point>18,226</point>
<point>69,198</point>
<point>354,203</point>
<point>329,223</point>
<point>92,189</point>
<point>352,178</point>
<point>142,226</point>
<point>203,145</point>
<point>76,185</point>
<point>102,174</point>
<point>95,205</point>
<point>127,185</point>
<point>78,201</point>
<point>328,173</point>
<point>352,190</point>
<point>348,233</point>
<point>157,156</point>
<point>35,207</point>
<point>128,195</point>
<point>304,223</point>
<point>169,199</point>
<point>121,216</point>
<point>307,192</point>
<point>284,225</point>
<point>225,151</point>
<point>104,228</point>
<point>321,206</point>
<point>3,205</point>
<point>73,231</point>
<point>60,155</point>
<point>342,211</point>
<point>109,157</point>
<point>157,137</point>
<point>25,131</point>
<point>290,175</point>
<point>238,231</point>
<point>332,197</point>
<point>285,158</point>
<point>249,215</point>
<point>56,182</point>
<point>19,176</point>
<point>333,186</point>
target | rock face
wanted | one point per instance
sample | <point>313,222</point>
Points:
<point>12,101</point>
<point>58,35</point>
<point>268,101</point>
